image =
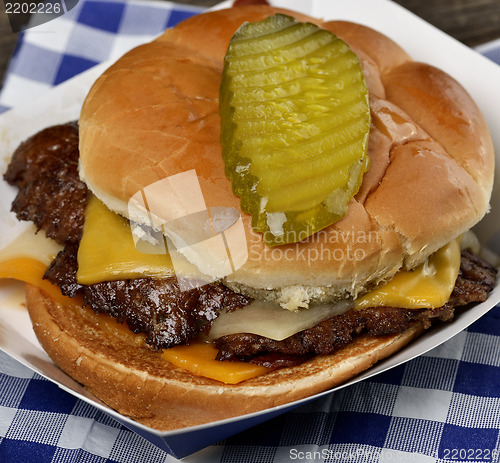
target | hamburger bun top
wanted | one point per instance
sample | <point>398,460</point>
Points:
<point>155,113</point>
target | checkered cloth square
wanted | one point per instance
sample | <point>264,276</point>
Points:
<point>441,406</point>
<point>88,34</point>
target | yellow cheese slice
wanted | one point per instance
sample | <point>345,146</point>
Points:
<point>428,286</point>
<point>31,271</point>
<point>107,250</point>
<point>199,359</point>
<point>26,258</point>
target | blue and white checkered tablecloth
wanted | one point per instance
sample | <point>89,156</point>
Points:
<point>442,406</point>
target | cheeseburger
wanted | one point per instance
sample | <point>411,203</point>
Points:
<point>251,209</point>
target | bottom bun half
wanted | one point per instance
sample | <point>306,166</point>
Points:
<point>116,366</point>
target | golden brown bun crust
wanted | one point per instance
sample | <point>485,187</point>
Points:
<point>137,382</point>
<point>209,34</point>
<point>155,113</point>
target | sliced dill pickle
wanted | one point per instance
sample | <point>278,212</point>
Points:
<point>295,119</point>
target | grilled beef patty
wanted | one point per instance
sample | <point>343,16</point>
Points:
<point>44,168</point>
<point>51,195</point>
<point>475,281</point>
<point>170,316</point>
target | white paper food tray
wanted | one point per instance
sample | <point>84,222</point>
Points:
<point>421,40</point>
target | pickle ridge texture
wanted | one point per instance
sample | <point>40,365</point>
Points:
<point>283,115</point>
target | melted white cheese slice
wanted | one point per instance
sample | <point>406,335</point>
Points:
<point>272,321</point>
<point>31,245</point>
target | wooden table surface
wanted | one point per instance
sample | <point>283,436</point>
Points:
<point>471,21</point>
